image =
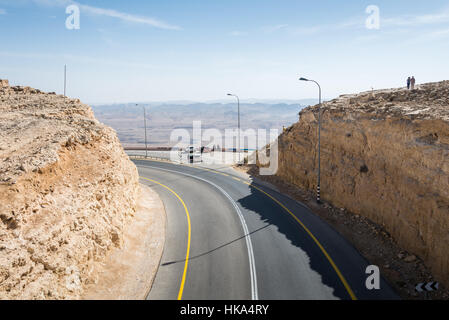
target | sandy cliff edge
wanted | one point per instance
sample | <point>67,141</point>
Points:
<point>385,156</point>
<point>128,272</point>
<point>67,193</point>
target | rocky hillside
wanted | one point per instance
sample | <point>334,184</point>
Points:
<point>67,190</point>
<point>385,155</point>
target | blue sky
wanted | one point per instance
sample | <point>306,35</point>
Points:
<point>200,50</point>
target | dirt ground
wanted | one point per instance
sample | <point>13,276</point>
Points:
<point>401,269</point>
<point>67,191</point>
<point>128,272</point>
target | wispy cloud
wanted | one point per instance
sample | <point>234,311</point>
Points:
<point>308,30</point>
<point>111,13</point>
<point>2,11</point>
<point>405,21</point>
<point>440,33</point>
<point>416,20</point>
<point>271,29</point>
<point>128,17</point>
<point>238,33</point>
<point>82,60</point>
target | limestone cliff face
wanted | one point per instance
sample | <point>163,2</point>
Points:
<point>67,189</point>
<point>385,155</point>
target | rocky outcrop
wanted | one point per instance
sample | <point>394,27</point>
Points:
<point>67,189</point>
<point>384,155</point>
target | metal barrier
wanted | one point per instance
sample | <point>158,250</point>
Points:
<point>157,155</point>
<point>224,158</point>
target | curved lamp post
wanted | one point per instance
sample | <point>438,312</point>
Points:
<point>238,110</point>
<point>318,197</point>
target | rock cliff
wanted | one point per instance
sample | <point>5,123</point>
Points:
<point>67,189</point>
<point>384,155</point>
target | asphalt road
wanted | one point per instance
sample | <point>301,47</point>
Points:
<point>228,238</point>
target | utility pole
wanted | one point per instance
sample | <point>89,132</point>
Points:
<point>318,189</point>
<point>65,79</point>
<point>238,110</point>
<point>145,126</point>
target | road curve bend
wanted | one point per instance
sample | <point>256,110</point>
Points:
<point>231,239</point>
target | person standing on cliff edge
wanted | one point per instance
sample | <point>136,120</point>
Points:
<point>412,82</point>
<point>409,80</point>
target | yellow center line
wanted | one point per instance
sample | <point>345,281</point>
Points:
<point>328,257</point>
<point>181,289</point>
<point>334,266</point>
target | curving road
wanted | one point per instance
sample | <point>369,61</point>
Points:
<point>229,238</point>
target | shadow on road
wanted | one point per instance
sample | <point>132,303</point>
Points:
<point>273,214</point>
<point>303,248</point>
<point>217,248</point>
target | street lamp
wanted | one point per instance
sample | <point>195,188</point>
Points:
<point>318,197</point>
<point>238,106</point>
<point>145,125</point>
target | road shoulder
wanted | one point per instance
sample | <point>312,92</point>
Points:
<point>402,270</point>
<point>129,271</point>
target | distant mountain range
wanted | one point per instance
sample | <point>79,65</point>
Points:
<point>304,102</point>
<point>163,117</point>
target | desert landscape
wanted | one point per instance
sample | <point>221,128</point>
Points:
<point>163,118</point>
<point>385,157</point>
<point>67,193</point>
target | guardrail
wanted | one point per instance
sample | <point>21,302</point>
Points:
<point>162,155</point>
<point>220,158</point>
<point>157,155</point>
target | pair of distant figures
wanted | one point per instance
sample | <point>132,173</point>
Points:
<point>411,83</point>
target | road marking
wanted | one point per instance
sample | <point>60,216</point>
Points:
<point>183,164</point>
<point>181,289</point>
<point>331,261</point>
<point>252,264</point>
<point>334,266</point>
